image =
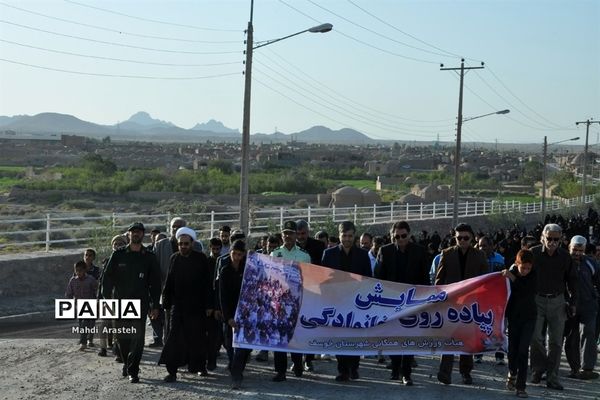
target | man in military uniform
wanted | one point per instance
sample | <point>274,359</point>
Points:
<point>132,272</point>
<point>289,251</point>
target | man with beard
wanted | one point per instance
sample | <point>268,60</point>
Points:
<point>188,296</point>
<point>459,263</point>
<point>587,309</point>
<point>315,249</point>
<point>133,273</point>
<point>405,262</point>
<point>555,278</point>
<point>349,258</point>
<point>164,249</point>
<point>289,251</point>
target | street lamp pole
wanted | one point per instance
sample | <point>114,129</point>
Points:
<point>544,172</point>
<point>244,173</point>
<point>585,155</point>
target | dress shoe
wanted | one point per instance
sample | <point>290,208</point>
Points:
<point>102,353</point>
<point>342,378</point>
<point>118,359</point>
<point>262,356</point>
<point>466,378</point>
<point>588,374</point>
<point>354,374</point>
<point>308,366</point>
<point>203,372</point>
<point>280,377</point>
<point>134,379</point>
<point>445,379</point>
<point>407,381</point>
<point>236,384</point>
<point>124,372</point>
<point>574,374</point>
<point>170,378</point>
<point>298,372</point>
<point>554,385</point>
<point>522,394</point>
<point>536,378</point>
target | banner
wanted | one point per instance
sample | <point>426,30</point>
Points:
<point>305,308</point>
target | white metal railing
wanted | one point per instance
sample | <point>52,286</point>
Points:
<point>50,230</point>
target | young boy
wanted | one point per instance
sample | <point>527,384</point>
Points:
<point>521,313</point>
<point>83,286</point>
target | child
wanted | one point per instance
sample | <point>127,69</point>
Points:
<point>521,313</point>
<point>83,286</point>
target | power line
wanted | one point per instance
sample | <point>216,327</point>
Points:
<point>337,31</point>
<point>343,113</point>
<point>513,107</point>
<point>119,44</point>
<point>334,103</point>
<point>522,102</point>
<point>377,33</point>
<point>338,99</point>
<point>117,75</point>
<point>405,33</point>
<point>117,59</point>
<point>337,93</point>
<point>371,135</point>
<point>120,32</point>
<point>152,20</point>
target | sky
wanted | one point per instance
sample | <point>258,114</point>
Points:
<point>377,71</point>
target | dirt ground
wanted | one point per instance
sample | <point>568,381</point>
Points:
<point>56,369</point>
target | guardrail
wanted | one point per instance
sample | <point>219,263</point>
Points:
<point>53,230</point>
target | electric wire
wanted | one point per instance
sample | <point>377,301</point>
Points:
<point>119,44</point>
<point>119,31</point>
<point>116,59</point>
<point>117,75</point>
<point>152,20</point>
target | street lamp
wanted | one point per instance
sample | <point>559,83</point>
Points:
<point>457,160</point>
<point>244,199</point>
<point>544,170</point>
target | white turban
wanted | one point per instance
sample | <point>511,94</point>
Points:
<point>184,230</point>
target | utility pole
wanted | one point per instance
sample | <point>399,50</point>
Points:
<point>462,70</point>
<point>244,178</point>
<point>544,161</point>
<point>585,155</point>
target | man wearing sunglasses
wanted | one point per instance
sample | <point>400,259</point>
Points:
<point>556,277</point>
<point>458,263</point>
<point>405,262</point>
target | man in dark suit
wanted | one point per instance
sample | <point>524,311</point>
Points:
<point>349,258</point>
<point>315,249</point>
<point>458,263</point>
<point>405,262</point>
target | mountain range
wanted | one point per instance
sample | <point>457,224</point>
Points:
<point>141,126</point>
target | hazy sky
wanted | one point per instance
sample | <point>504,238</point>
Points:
<point>377,72</point>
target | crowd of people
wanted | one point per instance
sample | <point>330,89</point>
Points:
<point>191,294</point>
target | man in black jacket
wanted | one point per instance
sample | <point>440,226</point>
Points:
<point>349,258</point>
<point>405,262</point>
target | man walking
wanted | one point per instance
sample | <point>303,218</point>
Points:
<point>349,258</point>
<point>580,330</point>
<point>289,251</point>
<point>458,263</point>
<point>405,262</point>
<point>556,277</point>
<point>133,273</point>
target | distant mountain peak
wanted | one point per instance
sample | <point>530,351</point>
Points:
<point>144,119</point>
<point>214,126</point>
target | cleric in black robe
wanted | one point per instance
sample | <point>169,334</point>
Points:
<point>188,294</point>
